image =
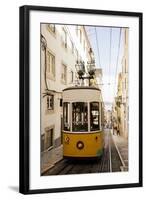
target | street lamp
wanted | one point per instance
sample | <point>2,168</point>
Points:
<point>80,66</point>
<point>91,65</point>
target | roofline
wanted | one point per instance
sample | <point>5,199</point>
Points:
<point>81,87</point>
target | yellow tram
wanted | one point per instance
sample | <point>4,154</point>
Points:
<point>82,122</point>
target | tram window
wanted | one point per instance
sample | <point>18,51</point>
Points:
<point>94,116</point>
<point>66,116</point>
<point>79,117</point>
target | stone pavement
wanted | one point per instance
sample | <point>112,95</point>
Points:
<point>121,144</point>
<point>50,158</point>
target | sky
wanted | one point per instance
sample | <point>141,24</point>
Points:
<point>107,45</point>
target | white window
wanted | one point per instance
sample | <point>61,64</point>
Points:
<point>80,36</point>
<point>72,76</point>
<point>51,64</point>
<point>51,27</point>
<point>72,47</point>
<point>50,102</point>
<point>64,38</point>
<point>64,74</point>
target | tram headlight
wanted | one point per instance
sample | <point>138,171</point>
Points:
<point>66,139</point>
<point>80,145</point>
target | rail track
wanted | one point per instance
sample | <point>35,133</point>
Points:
<point>111,161</point>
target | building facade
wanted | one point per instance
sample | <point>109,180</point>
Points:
<point>121,106</point>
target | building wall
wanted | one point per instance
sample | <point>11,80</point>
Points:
<point>125,82</point>
<point>122,102</point>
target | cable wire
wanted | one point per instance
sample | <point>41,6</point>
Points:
<point>96,35</point>
<point>110,53</point>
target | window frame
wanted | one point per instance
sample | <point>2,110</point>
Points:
<point>72,47</point>
<point>52,29</point>
<point>64,38</point>
<point>99,115</point>
<point>48,102</point>
<point>81,35</point>
<point>72,76</point>
<point>64,73</point>
<point>67,115</point>
<point>51,68</point>
<point>83,124</point>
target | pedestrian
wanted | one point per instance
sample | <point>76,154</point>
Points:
<point>118,131</point>
<point>114,128</point>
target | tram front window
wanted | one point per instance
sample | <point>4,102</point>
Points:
<point>79,117</point>
<point>94,116</point>
<point>66,122</point>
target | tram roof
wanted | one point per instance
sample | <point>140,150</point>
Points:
<point>79,94</point>
<point>82,87</point>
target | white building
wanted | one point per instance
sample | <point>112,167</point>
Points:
<point>125,84</point>
<point>64,45</point>
<point>122,99</point>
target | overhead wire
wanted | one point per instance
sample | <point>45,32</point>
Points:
<point>110,49</point>
<point>98,52</point>
<point>110,55</point>
<point>109,67</point>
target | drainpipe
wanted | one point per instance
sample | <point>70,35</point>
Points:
<point>44,48</point>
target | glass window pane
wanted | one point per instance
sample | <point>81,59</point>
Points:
<point>51,64</point>
<point>64,73</point>
<point>94,116</point>
<point>79,117</point>
<point>50,102</point>
<point>66,114</point>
